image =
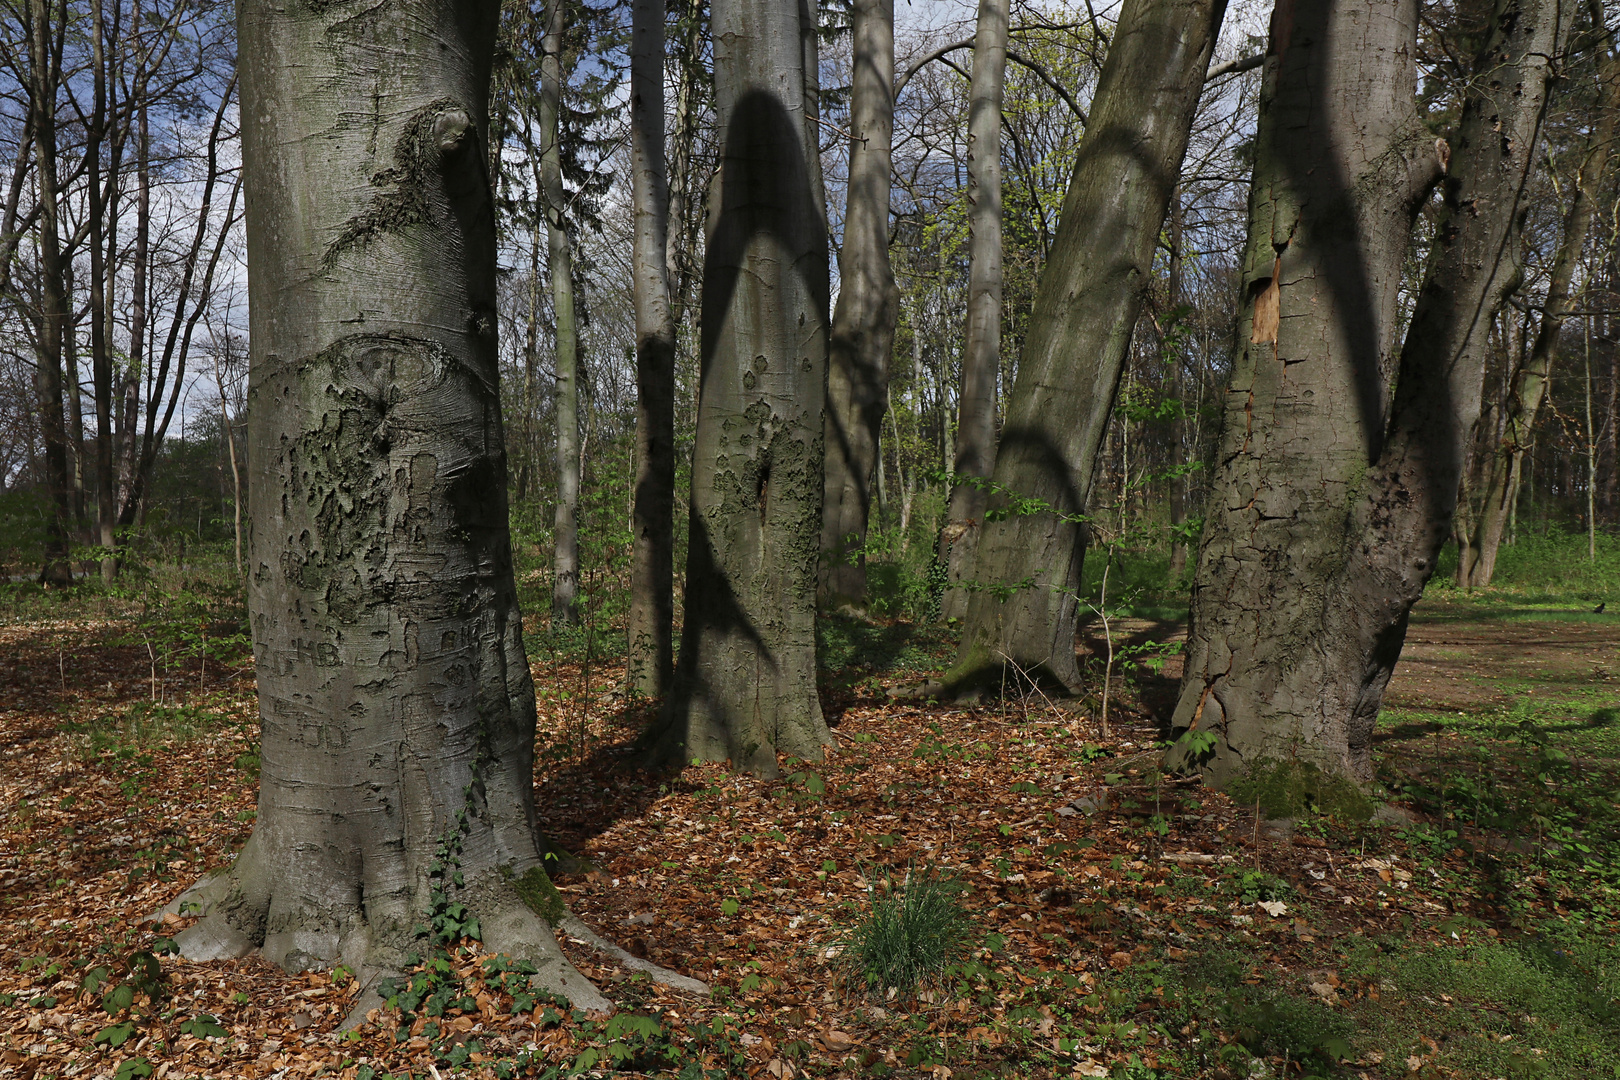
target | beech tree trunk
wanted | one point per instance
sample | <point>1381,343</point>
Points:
<point>863,322</point>
<point>1326,518</point>
<point>745,685</point>
<point>651,647</point>
<point>53,318</point>
<point>1086,306</point>
<point>981,347</point>
<point>1528,387</point>
<point>565,523</point>
<point>397,709</point>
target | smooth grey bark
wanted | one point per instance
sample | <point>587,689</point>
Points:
<point>745,684</point>
<point>395,700</point>
<point>981,346</point>
<point>1528,386</point>
<point>1178,425</point>
<point>863,322</point>
<point>53,315</point>
<point>1086,307</point>
<point>101,370</point>
<point>651,657</point>
<point>560,264</point>
<point>1325,517</point>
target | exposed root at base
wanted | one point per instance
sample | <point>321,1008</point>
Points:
<point>578,931</point>
<point>509,928</point>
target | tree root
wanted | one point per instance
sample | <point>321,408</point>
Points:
<point>231,924</point>
<point>578,931</point>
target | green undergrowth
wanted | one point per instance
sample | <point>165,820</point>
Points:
<point>147,725</point>
<point>1546,1004</point>
<point>1546,563</point>
<point>858,649</point>
<point>1530,792</point>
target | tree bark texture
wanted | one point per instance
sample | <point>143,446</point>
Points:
<point>745,686</point>
<point>651,646</point>
<point>1086,306</point>
<point>53,315</point>
<point>1528,386</point>
<point>864,320</point>
<point>395,699</point>
<point>553,199</point>
<point>1330,508</point>
<point>981,346</point>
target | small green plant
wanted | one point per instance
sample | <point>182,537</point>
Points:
<point>1256,886</point>
<point>911,936</point>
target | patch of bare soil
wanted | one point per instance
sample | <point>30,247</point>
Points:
<point>1454,661</point>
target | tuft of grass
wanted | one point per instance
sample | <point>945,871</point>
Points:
<point>911,936</point>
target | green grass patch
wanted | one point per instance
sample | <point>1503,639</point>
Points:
<point>1545,1005</point>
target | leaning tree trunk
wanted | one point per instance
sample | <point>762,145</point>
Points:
<point>1079,333</point>
<point>397,709</point>
<point>651,645</point>
<point>745,686</point>
<point>565,525</point>
<point>1325,520</point>
<point>863,322</point>
<point>1531,379</point>
<point>981,347</point>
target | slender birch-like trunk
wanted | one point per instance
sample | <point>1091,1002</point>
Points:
<point>553,199</point>
<point>53,295</point>
<point>975,450</point>
<point>1528,388</point>
<point>864,320</point>
<point>651,647</point>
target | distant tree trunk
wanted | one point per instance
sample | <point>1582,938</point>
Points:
<point>1327,519</point>
<point>101,367</point>
<point>1178,425</point>
<point>863,322</point>
<point>1530,380</point>
<point>1086,307</point>
<point>397,709</point>
<point>745,685</point>
<point>565,529</point>
<point>975,450</point>
<point>139,304</point>
<point>651,647</point>
<point>53,295</point>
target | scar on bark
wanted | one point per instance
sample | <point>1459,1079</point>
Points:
<point>1268,307</point>
<point>433,132</point>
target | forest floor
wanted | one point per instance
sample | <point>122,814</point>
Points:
<point>1126,923</point>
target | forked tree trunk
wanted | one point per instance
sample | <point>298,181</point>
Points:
<point>863,322</point>
<point>1528,388</point>
<point>745,685</point>
<point>651,646</point>
<point>1079,333</point>
<point>1326,520</point>
<point>975,451</point>
<point>397,709</point>
<point>565,523</point>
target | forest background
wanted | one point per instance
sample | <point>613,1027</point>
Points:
<point>150,423</point>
